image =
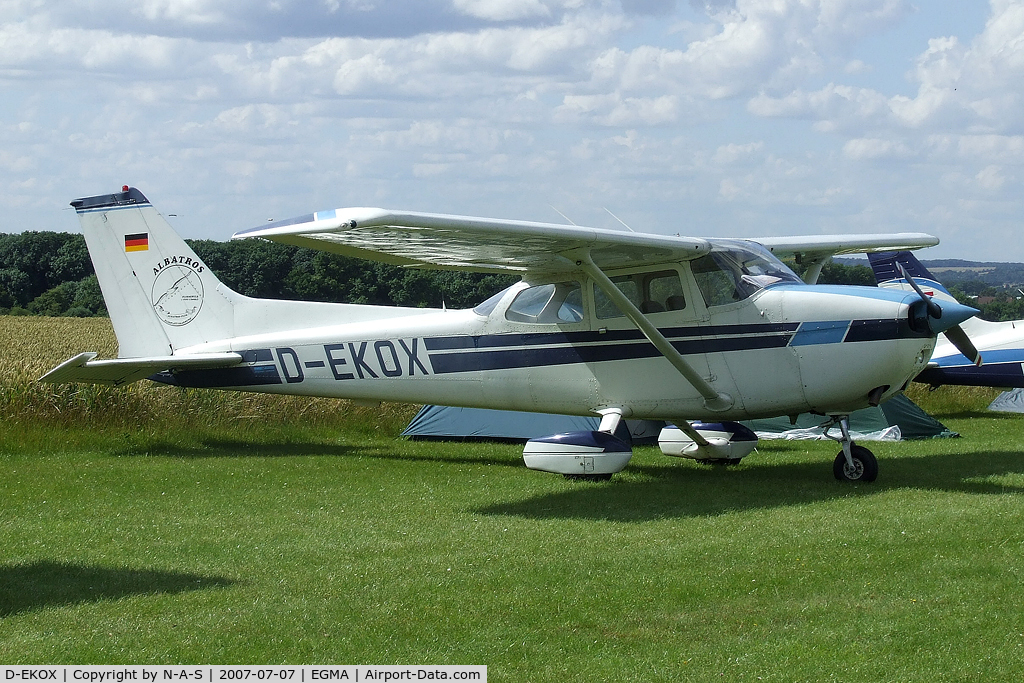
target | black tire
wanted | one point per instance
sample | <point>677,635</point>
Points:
<point>865,465</point>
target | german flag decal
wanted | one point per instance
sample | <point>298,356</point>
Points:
<point>137,242</point>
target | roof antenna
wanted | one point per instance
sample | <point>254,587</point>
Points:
<point>618,219</point>
<point>562,214</point>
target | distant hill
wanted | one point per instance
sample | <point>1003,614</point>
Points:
<point>958,271</point>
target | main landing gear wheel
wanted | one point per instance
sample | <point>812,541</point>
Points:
<point>865,465</point>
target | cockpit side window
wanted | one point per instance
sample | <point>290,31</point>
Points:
<point>560,302</point>
<point>650,292</point>
<point>718,283</point>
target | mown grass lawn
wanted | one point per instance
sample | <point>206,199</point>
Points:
<point>154,525</point>
<point>295,545</point>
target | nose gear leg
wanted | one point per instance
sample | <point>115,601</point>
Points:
<point>854,463</point>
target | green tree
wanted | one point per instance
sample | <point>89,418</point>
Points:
<point>54,301</point>
<point>39,256</point>
<point>833,273</point>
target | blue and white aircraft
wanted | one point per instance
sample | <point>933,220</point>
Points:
<point>1001,344</point>
<point>603,323</point>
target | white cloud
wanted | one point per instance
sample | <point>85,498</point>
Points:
<point>707,122</point>
<point>990,178</point>
<point>732,153</point>
<point>976,86</point>
<point>857,66</point>
<point>757,46</point>
<point>863,149</point>
<point>502,10</point>
<point>618,111</point>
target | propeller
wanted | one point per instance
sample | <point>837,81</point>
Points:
<point>954,333</point>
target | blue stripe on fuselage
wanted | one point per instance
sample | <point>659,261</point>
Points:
<point>548,338</point>
<point>493,357</point>
<point>821,332</point>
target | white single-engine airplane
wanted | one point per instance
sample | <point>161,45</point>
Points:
<point>603,322</point>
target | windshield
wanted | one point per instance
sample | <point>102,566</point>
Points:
<point>736,269</point>
<point>758,265</point>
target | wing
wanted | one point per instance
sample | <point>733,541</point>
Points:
<point>822,246</point>
<point>118,371</point>
<point>428,240</point>
<point>813,251</point>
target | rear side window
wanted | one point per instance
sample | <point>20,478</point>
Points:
<point>487,306</point>
<point>559,302</point>
<point>650,292</point>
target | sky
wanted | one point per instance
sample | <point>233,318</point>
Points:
<point>735,118</point>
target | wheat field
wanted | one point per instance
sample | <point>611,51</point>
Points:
<point>31,346</point>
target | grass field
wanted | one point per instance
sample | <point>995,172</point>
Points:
<point>138,528</point>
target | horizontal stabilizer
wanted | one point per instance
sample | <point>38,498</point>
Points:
<point>118,371</point>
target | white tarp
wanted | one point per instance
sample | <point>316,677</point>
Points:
<point>888,434</point>
<point>1011,401</point>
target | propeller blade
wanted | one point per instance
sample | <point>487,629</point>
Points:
<point>958,338</point>
<point>934,310</point>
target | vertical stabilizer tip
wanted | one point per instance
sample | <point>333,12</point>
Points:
<point>126,197</point>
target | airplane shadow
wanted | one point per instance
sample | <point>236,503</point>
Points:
<point>668,491</point>
<point>46,583</point>
<point>238,448</point>
<point>235,448</point>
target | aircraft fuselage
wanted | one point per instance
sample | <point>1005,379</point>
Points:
<point>784,350</point>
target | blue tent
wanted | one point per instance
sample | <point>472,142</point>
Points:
<point>478,424</point>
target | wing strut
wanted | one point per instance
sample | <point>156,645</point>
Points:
<point>713,400</point>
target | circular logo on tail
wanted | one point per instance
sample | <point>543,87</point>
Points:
<point>177,295</point>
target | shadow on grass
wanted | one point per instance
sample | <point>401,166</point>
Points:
<point>27,587</point>
<point>238,448</point>
<point>232,448</point>
<point>980,414</point>
<point>668,491</point>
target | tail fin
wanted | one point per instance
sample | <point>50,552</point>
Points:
<point>161,297</point>
<point>888,275</point>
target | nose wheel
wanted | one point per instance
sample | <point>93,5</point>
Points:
<point>862,465</point>
<point>854,463</point>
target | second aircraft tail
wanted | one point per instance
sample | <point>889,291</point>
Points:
<point>886,267</point>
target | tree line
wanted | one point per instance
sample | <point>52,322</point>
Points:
<point>50,273</point>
